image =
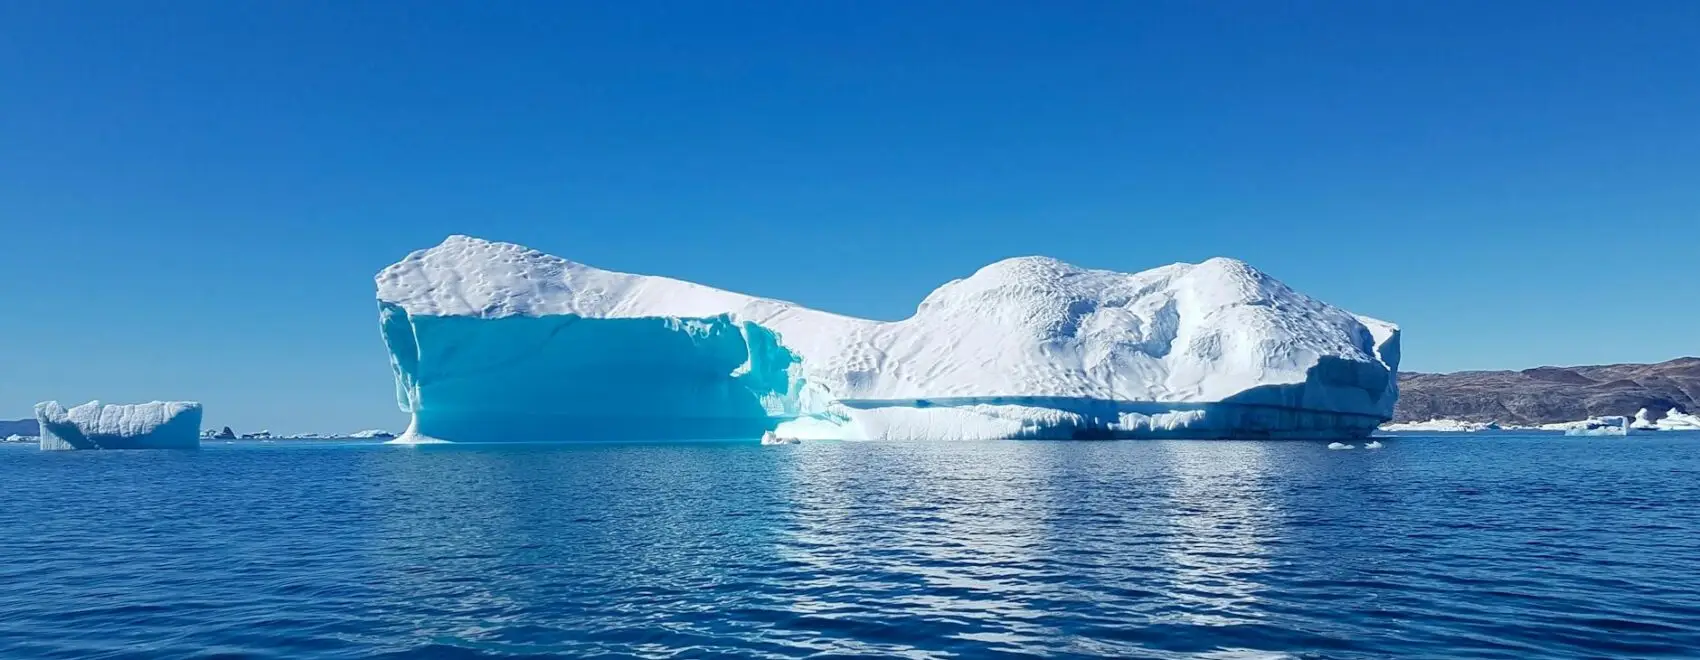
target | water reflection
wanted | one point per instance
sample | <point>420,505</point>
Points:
<point>1008,544</point>
<point>1223,517</point>
<point>955,534</point>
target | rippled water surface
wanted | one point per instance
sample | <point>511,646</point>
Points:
<point>1493,546</point>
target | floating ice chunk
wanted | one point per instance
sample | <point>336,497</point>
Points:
<point>770,438</point>
<point>155,425</point>
<point>1611,425</point>
<point>1373,444</point>
<point>1441,426</point>
<point>1340,445</point>
<point>372,434</point>
<point>497,342</point>
<point>1673,420</point>
<point>21,438</point>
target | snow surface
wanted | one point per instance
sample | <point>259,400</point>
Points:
<point>494,341</point>
<point>154,425</point>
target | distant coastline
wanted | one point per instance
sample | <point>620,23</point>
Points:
<point>1548,395</point>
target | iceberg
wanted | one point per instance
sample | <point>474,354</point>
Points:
<point>1609,425</point>
<point>372,434</point>
<point>493,341</point>
<point>155,425</point>
<point>1673,420</point>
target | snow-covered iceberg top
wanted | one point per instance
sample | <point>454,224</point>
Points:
<point>154,425</point>
<point>494,338</point>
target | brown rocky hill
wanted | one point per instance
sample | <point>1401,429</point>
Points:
<point>1550,394</point>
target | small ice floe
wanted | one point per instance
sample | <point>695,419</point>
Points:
<point>1373,444</point>
<point>769,438</point>
<point>1340,445</point>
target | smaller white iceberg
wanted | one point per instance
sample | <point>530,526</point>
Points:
<point>153,425</point>
<point>1438,425</point>
<point>20,438</point>
<point>1373,444</point>
<point>1610,425</point>
<point>1674,420</point>
<point>1340,445</point>
<point>372,434</point>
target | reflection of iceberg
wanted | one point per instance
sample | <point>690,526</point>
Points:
<point>493,341</point>
<point>1220,502</point>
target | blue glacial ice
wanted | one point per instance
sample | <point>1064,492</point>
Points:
<point>497,342</point>
<point>155,425</point>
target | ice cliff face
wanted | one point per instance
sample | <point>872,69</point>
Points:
<point>155,425</point>
<point>496,341</point>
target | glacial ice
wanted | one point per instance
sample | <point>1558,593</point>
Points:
<point>497,342</point>
<point>1673,420</point>
<point>1439,425</point>
<point>154,425</point>
<point>1609,425</point>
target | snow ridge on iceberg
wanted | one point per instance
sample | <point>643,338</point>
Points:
<point>494,341</point>
<point>154,425</point>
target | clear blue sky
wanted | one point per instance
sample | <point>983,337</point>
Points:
<point>194,196</point>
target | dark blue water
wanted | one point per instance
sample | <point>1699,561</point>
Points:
<point>1456,547</point>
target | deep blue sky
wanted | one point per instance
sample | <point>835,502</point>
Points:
<point>194,196</point>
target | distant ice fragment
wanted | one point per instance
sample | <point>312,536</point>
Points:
<point>1441,426</point>
<point>372,434</point>
<point>1673,420</point>
<point>1373,444</point>
<point>1611,425</point>
<point>497,342</point>
<point>155,425</point>
<point>769,438</point>
<point>21,438</point>
<point>1339,445</point>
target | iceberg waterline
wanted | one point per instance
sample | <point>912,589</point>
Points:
<point>494,341</point>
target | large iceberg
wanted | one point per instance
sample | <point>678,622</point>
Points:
<point>495,341</point>
<point>155,425</point>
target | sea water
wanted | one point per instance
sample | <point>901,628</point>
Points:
<point>1457,546</point>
